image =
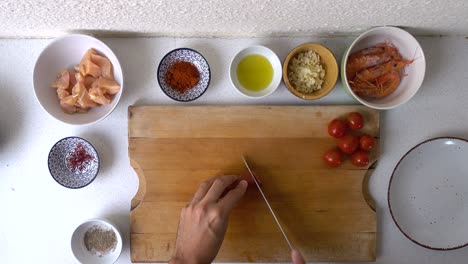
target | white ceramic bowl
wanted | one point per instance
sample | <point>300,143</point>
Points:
<point>65,52</point>
<point>272,58</point>
<point>409,48</point>
<point>428,191</point>
<point>80,251</point>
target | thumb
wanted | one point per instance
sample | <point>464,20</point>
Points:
<point>296,257</point>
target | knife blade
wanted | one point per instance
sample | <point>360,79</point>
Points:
<point>267,203</point>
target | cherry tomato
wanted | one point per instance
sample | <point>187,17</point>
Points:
<point>337,128</point>
<point>355,120</point>
<point>245,175</point>
<point>348,144</point>
<point>333,158</point>
<point>367,142</point>
<point>360,158</point>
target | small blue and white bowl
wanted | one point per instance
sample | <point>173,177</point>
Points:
<point>67,175</point>
<point>188,55</point>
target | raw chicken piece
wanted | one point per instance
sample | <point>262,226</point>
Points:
<point>62,81</point>
<point>79,78</point>
<point>68,104</point>
<point>87,55</point>
<point>72,80</point>
<point>78,90</point>
<point>82,110</point>
<point>98,96</point>
<point>89,84</point>
<point>61,93</point>
<point>109,86</point>
<point>88,81</point>
<point>83,99</point>
<point>87,67</point>
<point>104,64</point>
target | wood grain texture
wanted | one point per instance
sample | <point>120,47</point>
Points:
<point>326,212</point>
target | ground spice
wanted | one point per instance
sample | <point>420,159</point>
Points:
<point>78,159</point>
<point>182,76</point>
<point>100,241</point>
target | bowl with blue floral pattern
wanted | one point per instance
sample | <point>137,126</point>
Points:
<point>73,162</point>
<point>191,58</point>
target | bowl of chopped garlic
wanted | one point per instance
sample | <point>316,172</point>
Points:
<point>310,71</point>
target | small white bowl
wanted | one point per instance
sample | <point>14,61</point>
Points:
<point>272,58</point>
<point>408,47</point>
<point>66,52</point>
<point>80,251</point>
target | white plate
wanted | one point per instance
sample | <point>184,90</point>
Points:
<point>66,52</point>
<point>428,194</point>
<point>272,58</point>
<point>80,251</point>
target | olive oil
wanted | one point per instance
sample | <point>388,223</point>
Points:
<point>255,72</point>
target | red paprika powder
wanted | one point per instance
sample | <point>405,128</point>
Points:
<point>182,76</point>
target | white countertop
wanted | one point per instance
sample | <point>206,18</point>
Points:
<point>38,215</point>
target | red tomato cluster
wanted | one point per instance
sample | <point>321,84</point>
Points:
<point>358,146</point>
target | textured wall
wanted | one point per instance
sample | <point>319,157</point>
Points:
<point>217,18</point>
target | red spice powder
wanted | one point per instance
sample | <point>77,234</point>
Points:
<point>78,159</point>
<point>182,76</point>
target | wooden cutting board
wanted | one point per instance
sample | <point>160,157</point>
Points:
<point>327,213</point>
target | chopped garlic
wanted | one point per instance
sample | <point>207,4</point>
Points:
<point>305,72</point>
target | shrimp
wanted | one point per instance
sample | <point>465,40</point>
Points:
<point>383,86</point>
<point>367,51</point>
<point>379,48</point>
<point>372,73</point>
<point>370,57</point>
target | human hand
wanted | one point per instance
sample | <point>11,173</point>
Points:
<point>203,221</point>
<point>296,257</point>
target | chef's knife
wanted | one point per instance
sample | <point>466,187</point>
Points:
<point>267,203</point>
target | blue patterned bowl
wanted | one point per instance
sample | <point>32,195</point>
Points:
<point>73,162</point>
<point>189,55</point>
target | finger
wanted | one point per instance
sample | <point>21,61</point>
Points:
<point>202,190</point>
<point>230,200</point>
<point>296,257</point>
<point>218,186</point>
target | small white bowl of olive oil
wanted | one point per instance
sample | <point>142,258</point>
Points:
<point>255,71</point>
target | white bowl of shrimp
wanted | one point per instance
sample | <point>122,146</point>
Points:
<point>78,79</point>
<point>383,68</point>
